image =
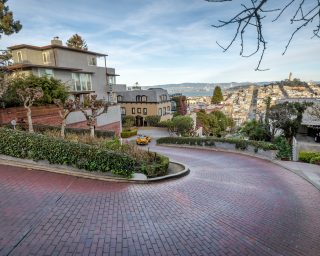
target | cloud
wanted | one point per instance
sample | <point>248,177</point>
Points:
<point>164,41</point>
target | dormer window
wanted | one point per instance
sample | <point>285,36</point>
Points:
<point>138,98</point>
<point>119,98</point>
<point>46,57</point>
<point>92,61</point>
<point>19,57</point>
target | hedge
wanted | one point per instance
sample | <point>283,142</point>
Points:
<point>81,131</point>
<point>128,134</point>
<point>309,157</point>
<point>58,151</point>
<point>239,143</point>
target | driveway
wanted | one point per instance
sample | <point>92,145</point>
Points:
<point>229,204</point>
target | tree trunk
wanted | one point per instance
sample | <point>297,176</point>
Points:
<point>29,119</point>
<point>63,126</point>
<point>92,131</point>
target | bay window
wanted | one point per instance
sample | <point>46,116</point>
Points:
<point>81,82</point>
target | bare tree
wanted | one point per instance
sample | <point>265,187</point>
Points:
<point>66,108</point>
<point>29,96</point>
<point>93,109</point>
<point>253,14</point>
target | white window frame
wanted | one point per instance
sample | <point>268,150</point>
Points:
<point>19,57</point>
<point>82,82</point>
<point>46,57</point>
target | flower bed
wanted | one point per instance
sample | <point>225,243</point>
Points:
<point>83,156</point>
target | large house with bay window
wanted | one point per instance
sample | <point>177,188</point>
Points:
<point>78,69</point>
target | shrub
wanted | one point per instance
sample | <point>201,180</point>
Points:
<point>315,160</point>
<point>79,131</point>
<point>284,148</point>
<point>57,151</point>
<point>307,156</point>
<point>153,120</point>
<point>239,143</point>
<point>158,167</point>
<point>128,134</point>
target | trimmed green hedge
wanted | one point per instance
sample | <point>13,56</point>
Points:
<point>42,128</point>
<point>309,157</point>
<point>57,151</point>
<point>128,134</point>
<point>239,143</point>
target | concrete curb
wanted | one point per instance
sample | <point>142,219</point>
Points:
<point>66,170</point>
<point>215,149</point>
<point>302,175</point>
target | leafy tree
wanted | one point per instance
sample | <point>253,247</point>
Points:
<point>28,96</point>
<point>287,117</point>
<point>52,89</point>
<point>153,120</point>
<point>217,95</point>
<point>254,130</point>
<point>128,122</point>
<point>91,112</point>
<point>77,42</point>
<point>66,108</point>
<point>216,123</point>
<point>8,25</point>
<point>253,15</point>
<point>182,125</point>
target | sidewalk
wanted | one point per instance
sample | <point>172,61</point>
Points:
<point>309,172</point>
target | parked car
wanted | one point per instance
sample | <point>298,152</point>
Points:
<point>143,139</point>
<point>317,137</point>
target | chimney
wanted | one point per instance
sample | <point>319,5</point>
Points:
<point>56,41</point>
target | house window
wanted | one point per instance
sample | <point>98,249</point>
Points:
<point>46,57</point>
<point>19,55</point>
<point>168,109</point>
<point>160,112</point>
<point>133,111</point>
<point>111,80</point>
<point>145,111</point>
<point>123,111</point>
<point>45,72</point>
<point>139,110</point>
<point>92,61</point>
<point>81,82</point>
<point>164,111</point>
<point>119,98</point>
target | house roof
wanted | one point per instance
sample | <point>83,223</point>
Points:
<point>52,46</point>
<point>153,96</point>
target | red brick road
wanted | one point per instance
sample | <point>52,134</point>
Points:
<point>228,205</point>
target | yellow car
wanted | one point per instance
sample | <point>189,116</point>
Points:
<point>143,140</point>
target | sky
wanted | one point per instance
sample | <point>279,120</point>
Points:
<point>168,41</point>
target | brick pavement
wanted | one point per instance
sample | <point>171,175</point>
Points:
<point>229,205</point>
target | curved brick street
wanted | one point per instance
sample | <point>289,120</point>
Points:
<point>228,205</point>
